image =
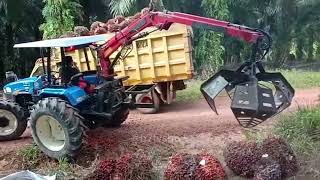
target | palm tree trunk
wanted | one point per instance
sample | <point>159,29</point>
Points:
<point>3,55</point>
<point>9,47</point>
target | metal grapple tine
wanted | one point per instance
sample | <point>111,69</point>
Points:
<point>224,79</point>
<point>284,91</point>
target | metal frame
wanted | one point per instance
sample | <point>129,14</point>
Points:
<point>140,89</point>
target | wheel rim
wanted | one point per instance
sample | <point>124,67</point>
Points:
<point>50,133</point>
<point>146,99</point>
<point>8,123</point>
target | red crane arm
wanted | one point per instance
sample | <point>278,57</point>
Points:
<point>163,21</point>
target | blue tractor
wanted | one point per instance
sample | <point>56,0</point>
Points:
<point>60,108</point>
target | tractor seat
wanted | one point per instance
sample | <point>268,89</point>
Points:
<point>78,80</point>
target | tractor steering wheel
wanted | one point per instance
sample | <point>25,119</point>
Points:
<point>75,79</point>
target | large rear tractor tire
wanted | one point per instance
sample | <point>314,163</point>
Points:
<point>56,128</point>
<point>151,97</point>
<point>12,121</point>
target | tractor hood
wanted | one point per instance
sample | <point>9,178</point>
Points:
<point>21,86</point>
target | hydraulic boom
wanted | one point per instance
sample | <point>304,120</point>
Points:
<point>252,101</point>
<point>163,21</point>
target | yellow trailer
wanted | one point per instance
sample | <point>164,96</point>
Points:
<point>156,66</point>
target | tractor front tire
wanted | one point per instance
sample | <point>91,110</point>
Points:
<point>12,121</point>
<point>56,128</point>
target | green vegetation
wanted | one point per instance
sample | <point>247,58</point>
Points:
<point>293,24</point>
<point>209,49</point>
<point>299,129</point>
<point>59,17</point>
<point>30,155</point>
<point>63,165</point>
<point>302,79</point>
<point>192,93</point>
<point>302,132</point>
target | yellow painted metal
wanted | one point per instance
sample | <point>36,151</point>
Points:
<point>163,56</point>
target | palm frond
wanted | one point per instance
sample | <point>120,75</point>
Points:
<point>308,2</point>
<point>121,7</point>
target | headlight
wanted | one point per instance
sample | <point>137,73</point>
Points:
<point>8,90</point>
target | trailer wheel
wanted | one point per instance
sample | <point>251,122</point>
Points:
<point>12,121</point>
<point>56,128</point>
<point>151,97</point>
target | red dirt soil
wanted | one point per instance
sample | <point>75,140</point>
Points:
<point>184,127</point>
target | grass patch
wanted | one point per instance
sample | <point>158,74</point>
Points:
<point>30,155</point>
<point>191,93</point>
<point>298,79</point>
<point>299,129</point>
<point>302,131</point>
<point>302,79</point>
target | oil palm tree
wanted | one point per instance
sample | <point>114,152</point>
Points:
<point>19,19</point>
<point>60,17</point>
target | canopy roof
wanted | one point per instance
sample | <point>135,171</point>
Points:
<point>62,42</point>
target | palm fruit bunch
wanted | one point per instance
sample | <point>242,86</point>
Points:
<point>209,168</point>
<point>273,158</point>
<point>69,34</point>
<point>182,166</point>
<point>81,31</point>
<point>241,157</point>
<point>128,166</point>
<point>194,167</point>
<point>279,150</point>
<point>109,26</point>
<point>104,171</point>
<point>142,166</point>
<point>123,167</point>
<point>133,166</point>
<point>267,169</point>
<point>116,24</point>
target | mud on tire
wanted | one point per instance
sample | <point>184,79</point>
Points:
<point>12,121</point>
<point>55,116</point>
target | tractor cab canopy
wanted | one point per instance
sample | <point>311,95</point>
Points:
<point>65,45</point>
<point>63,42</point>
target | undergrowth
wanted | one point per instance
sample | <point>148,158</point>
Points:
<point>301,130</point>
<point>191,93</point>
<point>302,79</point>
<point>30,156</point>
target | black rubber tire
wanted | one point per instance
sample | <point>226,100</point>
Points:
<point>70,121</point>
<point>18,112</point>
<point>156,100</point>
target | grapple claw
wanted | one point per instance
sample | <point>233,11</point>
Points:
<point>284,92</point>
<point>253,102</point>
<point>224,79</point>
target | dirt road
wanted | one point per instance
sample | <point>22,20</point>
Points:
<point>181,127</point>
<point>180,119</point>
